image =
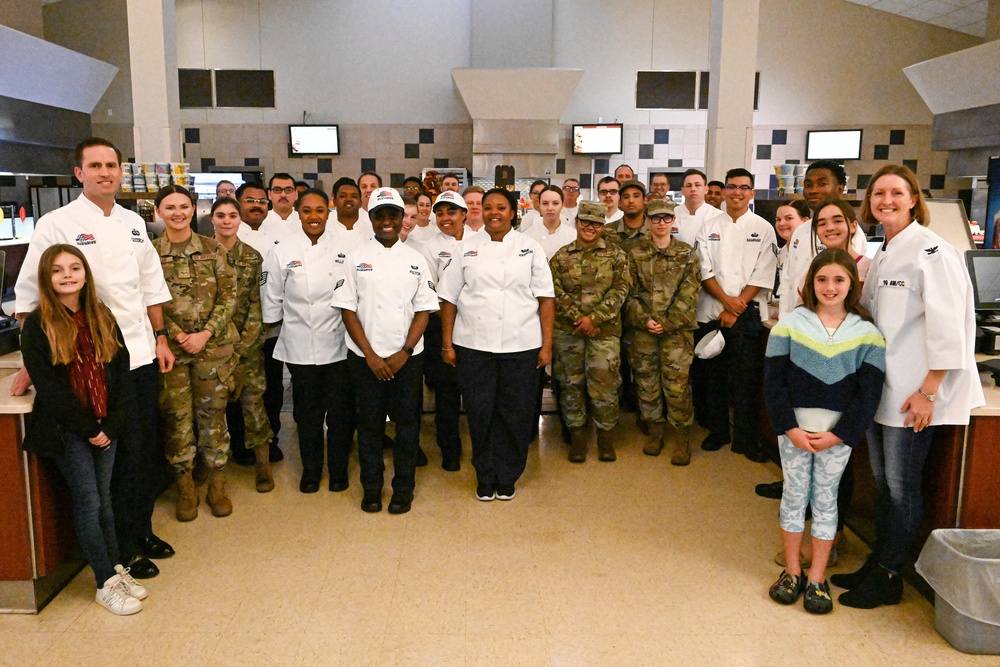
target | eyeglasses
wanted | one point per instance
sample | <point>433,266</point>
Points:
<point>251,201</point>
<point>741,188</point>
<point>590,223</point>
<point>570,188</point>
<point>605,193</point>
<point>661,220</point>
<point>286,191</point>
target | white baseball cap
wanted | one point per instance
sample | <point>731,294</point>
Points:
<point>449,197</point>
<point>710,346</point>
<point>384,197</point>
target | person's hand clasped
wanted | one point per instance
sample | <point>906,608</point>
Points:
<point>800,439</point>
<point>919,412</point>
<point>379,367</point>
<point>653,327</point>
<point>585,326</point>
<point>727,319</point>
<point>823,440</point>
<point>194,343</point>
<point>100,440</point>
<point>396,360</point>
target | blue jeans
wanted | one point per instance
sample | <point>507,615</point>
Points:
<point>87,470</point>
<point>897,457</point>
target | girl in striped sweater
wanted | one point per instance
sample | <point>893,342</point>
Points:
<point>823,376</point>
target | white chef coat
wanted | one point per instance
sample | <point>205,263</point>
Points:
<point>495,286</point>
<point>438,251</point>
<point>386,287</point>
<point>291,223</point>
<point>687,225</point>
<point>363,226</point>
<point>529,220</point>
<point>569,213</point>
<point>919,292</point>
<point>564,235</point>
<point>736,254</point>
<point>422,234</point>
<point>615,217</point>
<point>126,268</point>
<point>298,281</point>
<point>802,247</point>
<point>265,237</point>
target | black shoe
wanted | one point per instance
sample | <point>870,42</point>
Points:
<point>755,453</point>
<point>421,457</point>
<point>372,501</point>
<point>714,442</point>
<point>308,486</point>
<point>854,579</point>
<point>879,587</point>
<point>788,588</point>
<point>243,458</point>
<point>772,490</point>
<point>817,598</point>
<point>505,492</point>
<point>338,485</point>
<point>275,454</point>
<point>153,547</point>
<point>141,567</point>
<point>400,502</point>
<point>451,463</point>
<point>486,492</point>
<point>387,442</point>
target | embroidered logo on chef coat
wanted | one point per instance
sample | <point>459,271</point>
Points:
<point>931,251</point>
<point>137,236</point>
<point>444,254</point>
<point>294,264</point>
<point>754,238</point>
<point>893,283</point>
<point>526,251</point>
<point>471,253</point>
<point>431,285</point>
<point>340,258</point>
<point>86,239</point>
<point>714,237</point>
<point>795,244</point>
<point>263,277</point>
<point>414,270</point>
<point>364,266</point>
<point>340,283</point>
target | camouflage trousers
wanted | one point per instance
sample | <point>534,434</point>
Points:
<point>194,395</point>
<point>248,386</point>
<point>587,367</point>
<point>661,365</point>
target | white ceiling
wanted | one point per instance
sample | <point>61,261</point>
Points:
<point>968,16</point>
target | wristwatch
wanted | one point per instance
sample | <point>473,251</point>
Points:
<point>929,397</point>
<point>408,350</point>
<point>161,332</point>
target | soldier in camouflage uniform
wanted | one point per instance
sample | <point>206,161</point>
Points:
<point>199,325</point>
<point>660,320</point>
<point>591,280</point>
<point>246,415</point>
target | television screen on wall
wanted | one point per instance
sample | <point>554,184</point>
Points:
<point>833,145</point>
<point>313,140</point>
<point>603,139</point>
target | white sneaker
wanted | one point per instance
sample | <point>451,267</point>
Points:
<point>132,587</point>
<point>115,599</point>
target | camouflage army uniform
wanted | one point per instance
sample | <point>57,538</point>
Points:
<point>202,282</point>
<point>248,355</point>
<point>625,237</point>
<point>665,286</point>
<point>590,282</point>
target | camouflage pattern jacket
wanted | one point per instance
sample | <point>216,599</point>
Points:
<point>248,320</point>
<point>665,286</point>
<point>202,282</point>
<point>624,236</point>
<point>591,282</point>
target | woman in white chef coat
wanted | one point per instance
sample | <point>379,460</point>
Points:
<point>497,314</point>
<point>920,295</point>
<point>299,277</point>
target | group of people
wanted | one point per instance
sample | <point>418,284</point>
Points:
<point>366,293</point>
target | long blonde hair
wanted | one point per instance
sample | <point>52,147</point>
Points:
<point>58,324</point>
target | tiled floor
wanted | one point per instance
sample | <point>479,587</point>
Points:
<point>628,563</point>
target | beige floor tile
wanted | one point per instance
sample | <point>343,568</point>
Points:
<point>104,648</point>
<point>24,648</point>
<point>416,649</point>
<point>342,646</point>
<point>507,649</point>
<point>256,650</point>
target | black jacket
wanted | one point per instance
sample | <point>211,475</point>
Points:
<point>57,410</point>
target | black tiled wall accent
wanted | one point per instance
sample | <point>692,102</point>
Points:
<point>661,136</point>
<point>585,182</point>
<point>560,165</point>
<point>602,166</point>
<point>310,176</point>
<point>863,181</point>
<point>251,162</point>
<point>779,137</point>
<point>411,150</point>
<point>912,164</point>
<point>427,136</point>
<point>440,163</point>
<point>367,164</point>
<point>207,163</point>
<point>324,165</point>
<point>937,181</point>
<point>675,164</point>
<point>897,137</point>
<point>881,152</point>
<point>764,151</point>
<point>396,180</point>
<point>192,135</point>
<point>645,151</point>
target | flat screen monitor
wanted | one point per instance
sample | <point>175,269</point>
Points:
<point>984,269</point>
<point>992,203</point>
<point>205,182</point>
<point>833,145</point>
<point>313,140</point>
<point>603,139</point>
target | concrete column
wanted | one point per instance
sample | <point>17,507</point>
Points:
<point>733,65</point>
<point>152,37</point>
<point>992,21</point>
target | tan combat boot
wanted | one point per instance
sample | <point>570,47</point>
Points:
<point>187,497</point>
<point>605,446</point>
<point>216,497</point>
<point>680,454</point>
<point>578,444</point>
<point>655,443</point>
<point>264,479</point>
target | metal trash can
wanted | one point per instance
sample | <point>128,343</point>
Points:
<point>963,568</point>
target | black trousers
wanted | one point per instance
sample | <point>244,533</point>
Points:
<point>323,393</point>
<point>376,399</point>
<point>442,379</point>
<point>732,379</point>
<point>274,393</point>
<point>139,471</point>
<point>500,393</point>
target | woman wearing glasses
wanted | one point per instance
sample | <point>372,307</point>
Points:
<point>496,319</point>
